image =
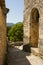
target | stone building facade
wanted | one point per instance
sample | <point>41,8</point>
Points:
<point>3,12</point>
<point>33,24</point>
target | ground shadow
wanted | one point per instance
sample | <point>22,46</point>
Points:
<point>17,57</point>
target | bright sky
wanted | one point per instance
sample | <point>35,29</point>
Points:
<point>16,10</point>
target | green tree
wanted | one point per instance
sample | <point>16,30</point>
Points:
<point>16,32</point>
<point>8,28</point>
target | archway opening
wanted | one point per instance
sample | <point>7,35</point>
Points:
<point>34,27</point>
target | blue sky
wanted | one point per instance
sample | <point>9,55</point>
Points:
<point>16,10</point>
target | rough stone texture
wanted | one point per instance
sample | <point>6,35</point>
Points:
<point>3,6</point>
<point>3,12</point>
<point>2,36</point>
<point>28,6</point>
<point>35,51</point>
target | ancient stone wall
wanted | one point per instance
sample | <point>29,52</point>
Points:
<point>41,29</point>
<point>28,6</point>
<point>26,26</point>
<point>3,12</point>
<point>2,4</point>
<point>2,36</point>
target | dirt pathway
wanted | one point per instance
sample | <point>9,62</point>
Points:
<point>17,57</point>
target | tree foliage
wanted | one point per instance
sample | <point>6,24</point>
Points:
<point>16,32</point>
<point>8,28</point>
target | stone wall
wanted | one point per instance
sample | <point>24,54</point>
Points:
<point>3,12</point>
<point>26,28</point>
<point>28,6</point>
<point>41,29</point>
<point>2,4</point>
<point>2,36</point>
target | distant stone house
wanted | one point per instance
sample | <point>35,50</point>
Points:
<point>33,25</point>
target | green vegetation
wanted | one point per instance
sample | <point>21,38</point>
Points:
<point>16,32</point>
<point>8,28</point>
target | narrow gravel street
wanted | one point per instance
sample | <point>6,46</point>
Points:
<point>18,57</point>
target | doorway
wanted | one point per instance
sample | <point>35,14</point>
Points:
<point>34,27</point>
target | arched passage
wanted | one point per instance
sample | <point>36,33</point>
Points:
<point>34,27</point>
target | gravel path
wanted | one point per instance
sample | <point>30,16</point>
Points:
<point>19,57</point>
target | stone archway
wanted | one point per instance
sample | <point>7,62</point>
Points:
<point>34,27</point>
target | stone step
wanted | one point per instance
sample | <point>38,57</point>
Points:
<point>35,51</point>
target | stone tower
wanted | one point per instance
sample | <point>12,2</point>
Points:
<point>33,24</point>
<point>3,12</point>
